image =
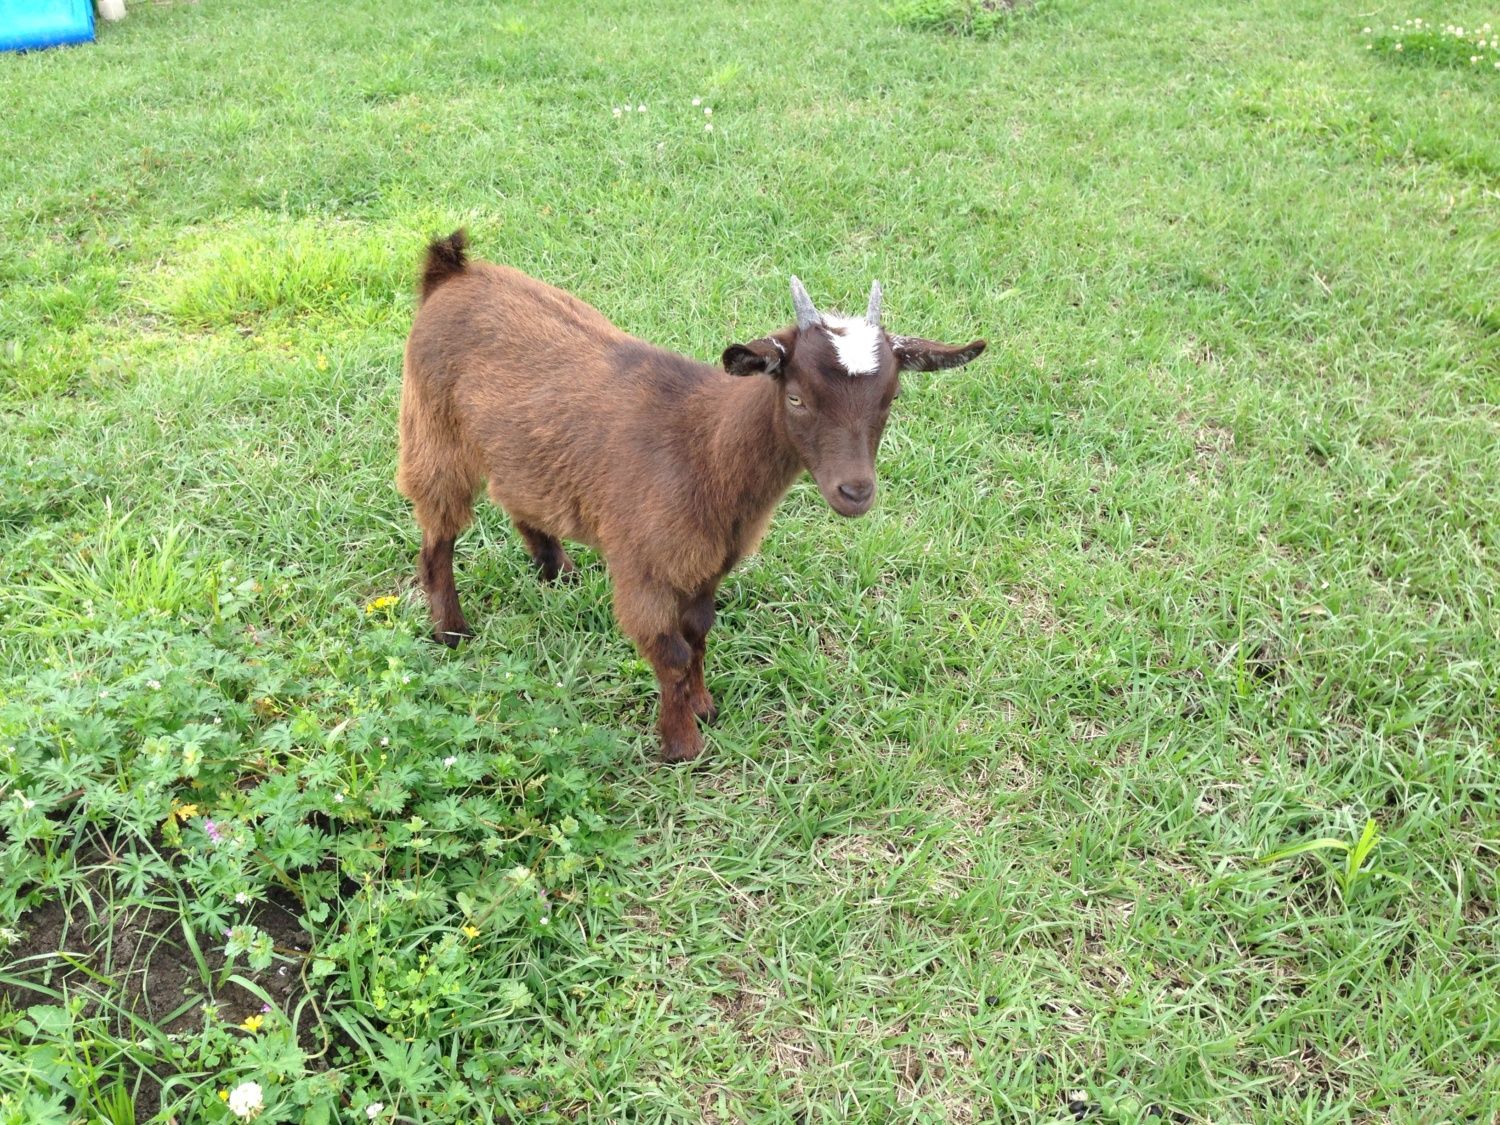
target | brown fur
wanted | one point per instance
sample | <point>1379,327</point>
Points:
<point>671,468</point>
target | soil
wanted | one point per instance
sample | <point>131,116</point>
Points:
<point>138,962</point>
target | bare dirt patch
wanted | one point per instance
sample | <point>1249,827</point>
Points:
<point>138,962</point>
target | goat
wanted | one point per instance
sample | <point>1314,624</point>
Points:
<point>669,467</point>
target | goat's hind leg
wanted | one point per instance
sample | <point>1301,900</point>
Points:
<point>546,551</point>
<point>697,620</point>
<point>442,515</point>
<point>439,475</point>
<point>435,569</point>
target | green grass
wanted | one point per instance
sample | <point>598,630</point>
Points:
<point>1197,564</point>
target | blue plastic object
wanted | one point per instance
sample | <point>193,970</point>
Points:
<point>26,24</point>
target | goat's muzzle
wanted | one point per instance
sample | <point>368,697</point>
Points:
<point>850,497</point>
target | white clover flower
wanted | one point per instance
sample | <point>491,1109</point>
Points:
<point>449,760</point>
<point>697,101</point>
<point>1366,31</point>
<point>241,897</point>
<point>384,741</point>
<point>709,128</point>
<point>104,693</point>
<point>338,798</point>
<point>708,111</point>
<point>245,1100</point>
<point>640,108</point>
<point>154,685</point>
<point>374,1110</point>
<point>1398,46</point>
<point>618,111</point>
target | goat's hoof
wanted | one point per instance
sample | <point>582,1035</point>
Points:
<point>452,637</point>
<point>555,570</point>
<point>681,750</point>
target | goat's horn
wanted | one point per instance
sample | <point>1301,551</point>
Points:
<point>872,314</point>
<point>807,315</point>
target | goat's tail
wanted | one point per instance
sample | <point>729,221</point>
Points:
<point>445,258</point>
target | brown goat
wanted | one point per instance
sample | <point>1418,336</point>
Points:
<point>669,467</point>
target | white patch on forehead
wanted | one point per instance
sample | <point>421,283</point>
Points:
<point>857,343</point>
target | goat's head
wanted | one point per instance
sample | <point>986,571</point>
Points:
<point>838,376</point>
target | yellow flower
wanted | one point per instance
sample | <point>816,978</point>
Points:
<point>322,363</point>
<point>179,812</point>
<point>471,931</point>
<point>223,1095</point>
<point>252,1023</point>
<point>385,601</point>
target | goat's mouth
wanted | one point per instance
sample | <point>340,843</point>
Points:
<point>852,511</point>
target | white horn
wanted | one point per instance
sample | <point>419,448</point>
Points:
<point>872,314</point>
<point>807,315</point>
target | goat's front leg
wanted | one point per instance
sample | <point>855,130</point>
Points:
<point>651,616</point>
<point>697,620</point>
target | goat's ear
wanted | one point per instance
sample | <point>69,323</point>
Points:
<point>759,357</point>
<point>916,354</point>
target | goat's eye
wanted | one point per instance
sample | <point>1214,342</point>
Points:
<point>793,400</point>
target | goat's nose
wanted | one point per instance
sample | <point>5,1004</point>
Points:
<point>856,491</point>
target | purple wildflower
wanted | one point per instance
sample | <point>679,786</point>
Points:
<point>213,831</point>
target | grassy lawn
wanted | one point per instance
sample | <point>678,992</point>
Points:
<point>1200,561</point>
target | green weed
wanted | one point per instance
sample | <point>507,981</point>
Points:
<point>249,271</point>
<point>982,19</point>
<point>416,843</point>
<point>1356,855</point>
<point>1418,41</point>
